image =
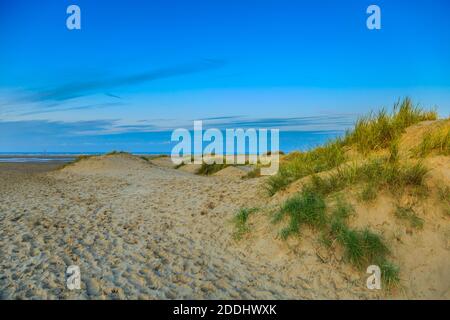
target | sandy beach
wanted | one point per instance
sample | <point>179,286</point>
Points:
<point>141,229</point>
<point>144,231</point>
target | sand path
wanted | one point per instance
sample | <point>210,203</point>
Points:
<point>141,231</point>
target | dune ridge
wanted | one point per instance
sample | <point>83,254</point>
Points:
<point>143,229</point>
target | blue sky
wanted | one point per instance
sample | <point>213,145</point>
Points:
<point>138,69</point>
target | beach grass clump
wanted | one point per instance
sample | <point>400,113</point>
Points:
<point>209,169</point>
<point>362,247</point>
<point>397,176</point>
<point>299,165</point>
<point>184,162</point>
<point>254,173</point>
<point>394,156</point>
<point>336,222</point>
<point>342,210</point>
<point>240,222</point>
<point>408,214</point>
<point>370,133</point>
<point>374,174</point>
<point>444,196</point>
<point>437,140</point>
<point>304,208</point>
<point>390,274</point>
<point>444,193</point>
<point>369,192</point>
<point>115,152</point>
<point>281,180</point>
<point>377,130</point>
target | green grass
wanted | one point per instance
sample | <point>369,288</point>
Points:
<point>342,210</point>
<point>209,169</point>
<point>115,152</point>
<point>389,274</point>
<point>393,152</point>
<point>350,240</point>
<point>371,133</point>
<point>375,174</point>
<point>361,247</point>
<point>336,222</point>
<point>255,173</point>
<point>299,165</point>
<point>304,208</point>
<point>240,222</point>
<point>444,193</point>
<point>369,192</point>
<point>435,140</point>
<point>374,132</point>
<point>444,196</point>
<point>410,216</point>
<point>377,131</point>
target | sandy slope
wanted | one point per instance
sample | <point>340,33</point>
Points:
<point>146,230</point>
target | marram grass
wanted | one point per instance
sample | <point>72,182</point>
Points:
<point>437,140</point>
<point>371,133</point>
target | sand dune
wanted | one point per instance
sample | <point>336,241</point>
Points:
<point>138,230</point>
<point>144,230</point>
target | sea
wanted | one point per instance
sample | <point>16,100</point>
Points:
<point>289,141</point>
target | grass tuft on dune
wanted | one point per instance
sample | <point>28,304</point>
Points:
<point>375,174</point>
<point>299,165</point>
<point>240,222</point>
<point>371,133</point>
<point>209,169</point>
<point>377,131</point>
<point>435,140</point>
<point>368,158</point>
<point>115,152</point>
<point>304,208</point>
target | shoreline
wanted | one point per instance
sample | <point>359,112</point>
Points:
<point>28,167</point>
